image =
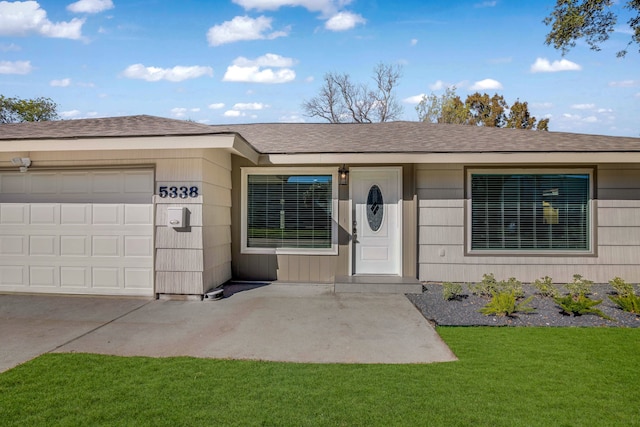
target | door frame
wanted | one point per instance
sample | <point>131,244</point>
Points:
<point>398,170</point>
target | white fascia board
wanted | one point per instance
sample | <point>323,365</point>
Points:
<point>460,158</point>
<point>229,142</point>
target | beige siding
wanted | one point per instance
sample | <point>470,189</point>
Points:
<point>442,219</point>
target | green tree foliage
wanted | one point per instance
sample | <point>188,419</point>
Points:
<point>341,100</point>
<point>589,20</point>
<point>479,110</point>
<point>16,110</point>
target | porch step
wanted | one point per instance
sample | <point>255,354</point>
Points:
<point>378,284</point>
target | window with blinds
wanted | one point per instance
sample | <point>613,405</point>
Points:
<point>289,211</point>
<point>530,211</point>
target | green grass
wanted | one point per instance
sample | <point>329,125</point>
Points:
<point>505,377</point>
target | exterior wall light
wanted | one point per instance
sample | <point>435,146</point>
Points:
<point>343,175</point>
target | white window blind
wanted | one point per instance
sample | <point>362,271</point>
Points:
<point>530,211</point>
<point>289,211</point>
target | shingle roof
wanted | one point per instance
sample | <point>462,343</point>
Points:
<point>126,126</point>
<point>418,137</point>
<point>291,138</point>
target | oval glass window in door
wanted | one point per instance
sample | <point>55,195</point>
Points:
<point>375,208</point>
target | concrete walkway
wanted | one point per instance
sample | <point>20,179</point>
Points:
<point>292,323</point>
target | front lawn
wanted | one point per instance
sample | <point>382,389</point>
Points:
<point>505,377</point>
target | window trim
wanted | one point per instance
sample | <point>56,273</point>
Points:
<point>591,211</point>
<point>333,171</point>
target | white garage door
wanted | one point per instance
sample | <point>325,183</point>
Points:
<point>79,232</point>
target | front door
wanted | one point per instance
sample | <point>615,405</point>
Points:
<point>376,220</point>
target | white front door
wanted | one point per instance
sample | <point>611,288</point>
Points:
<point>376,195</point>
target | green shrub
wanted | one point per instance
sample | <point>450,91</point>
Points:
<point>546,287</point>
<point>580,286</point>
<point>486,287</point>
<point>489,285</point>
<point>621,287</point>
<point>506,304</point>
<point>580,304</point>
<point>451,291</point>
<point>626,297</point>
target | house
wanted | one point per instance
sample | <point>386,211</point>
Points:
<point>144,205</point>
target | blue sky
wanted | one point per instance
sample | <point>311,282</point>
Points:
<point>245,61</point>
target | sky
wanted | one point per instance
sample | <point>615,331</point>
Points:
<point>257,61</point>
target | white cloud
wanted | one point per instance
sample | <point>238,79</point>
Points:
<point>542,65</point>
<point>414,99</point>
<point>486,4</point>
<point>175,74</point>
<point>233,113</point>
<point>242,28</point>
<point>439,85</point>
<point>267,60</point>
<point>324,6</point>
<point>413,42</point>
<point>71,114</point>
<point>24,18</point>
<point>179,112</point>
<point>590,119</point>
<point>60,83</point>
<point>255,71</point>
<point>293,118</point>
<point>15,67</point>
<point>542,105</point>
<point>255,75</point>
<point>90,6</point>
<point>486,84</point>
<point>249,106</point>
<point>583,106</point>
<point>604,110</point>
<point>625,83</point>
<point>216,106</point>
<point>343,21</point>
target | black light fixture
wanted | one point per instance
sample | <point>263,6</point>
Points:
<point>343,174</point>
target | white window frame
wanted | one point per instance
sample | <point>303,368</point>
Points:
<point>531,171</point>
<point>333,171</point>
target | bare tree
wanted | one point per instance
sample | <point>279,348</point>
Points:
<point>341,100</point>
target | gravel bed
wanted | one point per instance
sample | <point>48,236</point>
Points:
<point>464,312</point>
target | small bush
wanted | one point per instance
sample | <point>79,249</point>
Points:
<point>626,297</point>
<point>486,287</point>
<point>506,304</point>
<point>546,287</point>
<point>580,286</point>
<point>489,285</point>
<point>621,287</point>
<point>451,291</point>
<point>580,304</point>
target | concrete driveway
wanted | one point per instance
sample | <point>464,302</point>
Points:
<point>292,323</point>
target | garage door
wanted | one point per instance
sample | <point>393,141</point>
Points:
<point>78,232</point>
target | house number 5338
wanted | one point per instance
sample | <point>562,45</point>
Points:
<point>182,192</point>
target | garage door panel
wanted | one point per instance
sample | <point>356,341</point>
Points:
<point>77,232</point>
<point>74,246</point>
<point>138,214</point>
<point>42,245</point>
<point>12,245</point>
<point>105,246</point>
<point>74,277</point>
<point>43,183</point>
<point>75,214</point>
<point>14,214</point>
<point>44,214</point>
<point>13,184</point>
<point>12,275</point>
